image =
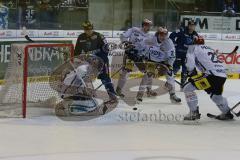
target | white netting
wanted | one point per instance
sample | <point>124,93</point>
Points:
<point>39,62</point>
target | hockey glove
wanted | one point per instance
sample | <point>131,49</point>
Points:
<point>192,73</point>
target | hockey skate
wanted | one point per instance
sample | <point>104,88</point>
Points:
<point>225,117</point>
<point>151,93</point>
<point>139,97</point>
<point>174,98</point>
<point>112,99</point>
<point>119,92</point>
<point>192,116</point>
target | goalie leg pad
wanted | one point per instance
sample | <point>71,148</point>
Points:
<point>83,106</point>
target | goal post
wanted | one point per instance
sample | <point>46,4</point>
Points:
<point>26,81</point>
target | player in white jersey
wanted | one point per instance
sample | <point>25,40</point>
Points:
<point>211,80</point>
<point>134,37</point>
<point>160,52</point>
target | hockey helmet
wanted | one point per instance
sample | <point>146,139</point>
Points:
<point>87,25</point>
<point>162,31</point>
<point>146,22</point>
<point>191,22</point>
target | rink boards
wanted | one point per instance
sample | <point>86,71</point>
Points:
<point>232,61</point>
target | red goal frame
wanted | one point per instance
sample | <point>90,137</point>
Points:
<point>25,68</point>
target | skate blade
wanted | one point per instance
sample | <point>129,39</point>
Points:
<point>194,122</point>
<point>174,102</point>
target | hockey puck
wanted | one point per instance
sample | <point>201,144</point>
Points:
<point>135,108</point>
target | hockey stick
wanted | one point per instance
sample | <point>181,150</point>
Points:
<point>29,39</point>
<point>178,83</point>
<point>233,52</point>
<point>110,77</point>
<point>32,41</point>
<point>235,106</point>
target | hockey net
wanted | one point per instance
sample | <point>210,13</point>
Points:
<point>26,81</point>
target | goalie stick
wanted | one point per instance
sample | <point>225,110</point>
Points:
<point>235,106</point>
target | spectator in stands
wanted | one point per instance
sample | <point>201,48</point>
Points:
<point>46,15</point>
<point>3,16</point>
<point>22,6</point>
<point>229,8</point>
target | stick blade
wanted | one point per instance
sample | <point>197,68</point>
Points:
<point>235,50</point>
<point>28,39</point>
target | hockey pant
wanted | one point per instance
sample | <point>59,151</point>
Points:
<point>214,89</point>
<point>148,79</point>
<point>129,66</point>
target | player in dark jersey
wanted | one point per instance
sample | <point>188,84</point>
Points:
<point>183,37</point>
<point>91,42</point>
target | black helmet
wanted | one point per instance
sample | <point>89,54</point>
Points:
<point>87,25</point>
<point>191,22</point>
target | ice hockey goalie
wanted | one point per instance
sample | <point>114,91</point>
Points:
<point>74,82</point>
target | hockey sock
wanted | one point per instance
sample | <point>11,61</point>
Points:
<point>221,102</point>
<point>191,97</point>
<point>122,79</point>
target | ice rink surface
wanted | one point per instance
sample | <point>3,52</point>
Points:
<point>125,134</point>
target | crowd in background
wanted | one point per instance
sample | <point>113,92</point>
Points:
<point>68,14</point>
